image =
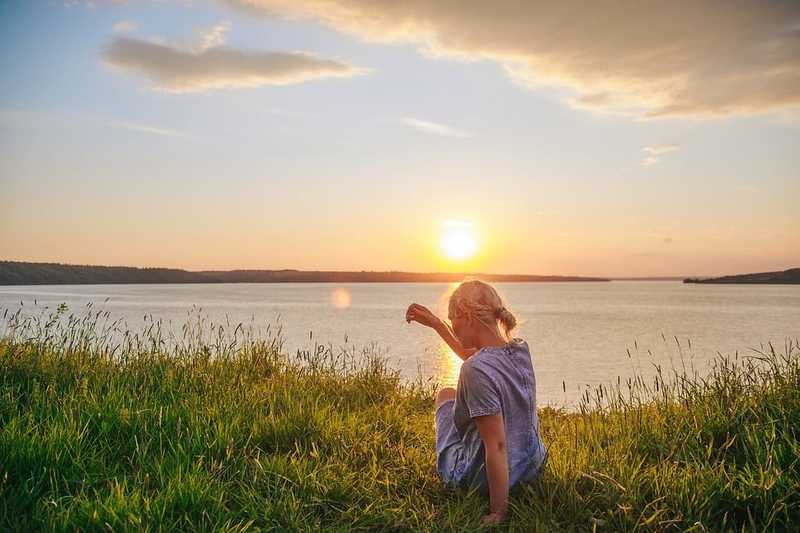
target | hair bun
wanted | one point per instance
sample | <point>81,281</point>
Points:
<point>499,312</point>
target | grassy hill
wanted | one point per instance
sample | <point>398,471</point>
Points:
<point>224,432</point>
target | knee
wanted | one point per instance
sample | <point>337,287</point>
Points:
<point>444,395</point>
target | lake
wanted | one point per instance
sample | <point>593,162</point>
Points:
<point>580,334</point>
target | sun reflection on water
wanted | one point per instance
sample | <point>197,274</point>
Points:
<point>449,363</point>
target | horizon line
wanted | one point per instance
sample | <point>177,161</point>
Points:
<point>465,273</point>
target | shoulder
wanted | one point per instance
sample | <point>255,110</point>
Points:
<point>484,354</point>
<point>515,353</point>
<point>474,364</point>
<point>485,359</point>
<point>521,344</point>
<point>477,368</point>
<point>476,383</point>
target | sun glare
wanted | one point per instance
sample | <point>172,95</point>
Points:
<point>458,240</point>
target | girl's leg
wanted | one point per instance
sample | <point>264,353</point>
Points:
<point>447,437</point>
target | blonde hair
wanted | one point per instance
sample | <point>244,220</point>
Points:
<point>477,299</point>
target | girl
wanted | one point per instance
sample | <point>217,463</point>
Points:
<point>487,429</point>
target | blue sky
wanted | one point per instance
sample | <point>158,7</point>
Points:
<point>358,160</point>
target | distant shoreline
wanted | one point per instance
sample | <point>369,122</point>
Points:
<point>785,277</point>
<point>24,273</point>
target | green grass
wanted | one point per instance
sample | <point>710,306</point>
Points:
<point>217,429</point>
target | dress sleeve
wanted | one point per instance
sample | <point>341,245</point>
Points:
<point>478,392</point>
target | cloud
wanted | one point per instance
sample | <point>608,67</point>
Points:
<point>695,58</point>
<point>747,189</point>
<point>655,152</point>
<point>213,36</point>
<point>125,26</point>
<point>278,112</point>
<point>64,121</point>
<point>149,129</point>
<point>92,4</point>
<point>659,149</point>
<point>204,64</point>
<point>435,128</point>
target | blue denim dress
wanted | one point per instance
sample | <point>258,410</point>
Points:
<point>495,380</point>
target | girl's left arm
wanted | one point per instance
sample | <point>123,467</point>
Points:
<point>493,434</point>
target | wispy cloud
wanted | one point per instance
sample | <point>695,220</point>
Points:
<point>143,128</point>
<point>50,120</point>
<point>659,149</point>
<point>278,112</point>
<point>747,189</point>
<point>92,4</point>
<point>212,36</point>
<point>204,64</point>
<point>655,152</point>
<point>125,26</point>
<point>435,128</point>
<point>696,58</point>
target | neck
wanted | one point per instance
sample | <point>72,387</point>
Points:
<point>490,338</point>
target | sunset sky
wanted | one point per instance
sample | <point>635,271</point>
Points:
<point>566,137</point>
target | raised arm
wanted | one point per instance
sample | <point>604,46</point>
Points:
<point>446,333</point>
<point>493,434</point>
<point>421,314</point>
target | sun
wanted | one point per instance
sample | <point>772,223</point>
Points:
<point>458,240</point>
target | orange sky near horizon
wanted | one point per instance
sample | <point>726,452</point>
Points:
<point>498,251</point>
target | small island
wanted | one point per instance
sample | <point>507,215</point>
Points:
<point>21,273</point>
<point>784,277</point>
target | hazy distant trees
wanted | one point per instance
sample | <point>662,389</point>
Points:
<point>19,273</point>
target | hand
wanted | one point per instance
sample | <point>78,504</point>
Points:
<point>492,519</point>
<point>421,314</point>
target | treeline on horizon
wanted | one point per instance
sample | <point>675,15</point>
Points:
<point>791,275</point>
<point>23,273</point>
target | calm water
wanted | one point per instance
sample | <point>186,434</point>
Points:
<point>579,333</point>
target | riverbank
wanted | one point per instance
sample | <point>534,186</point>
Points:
<point>224,432</point>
